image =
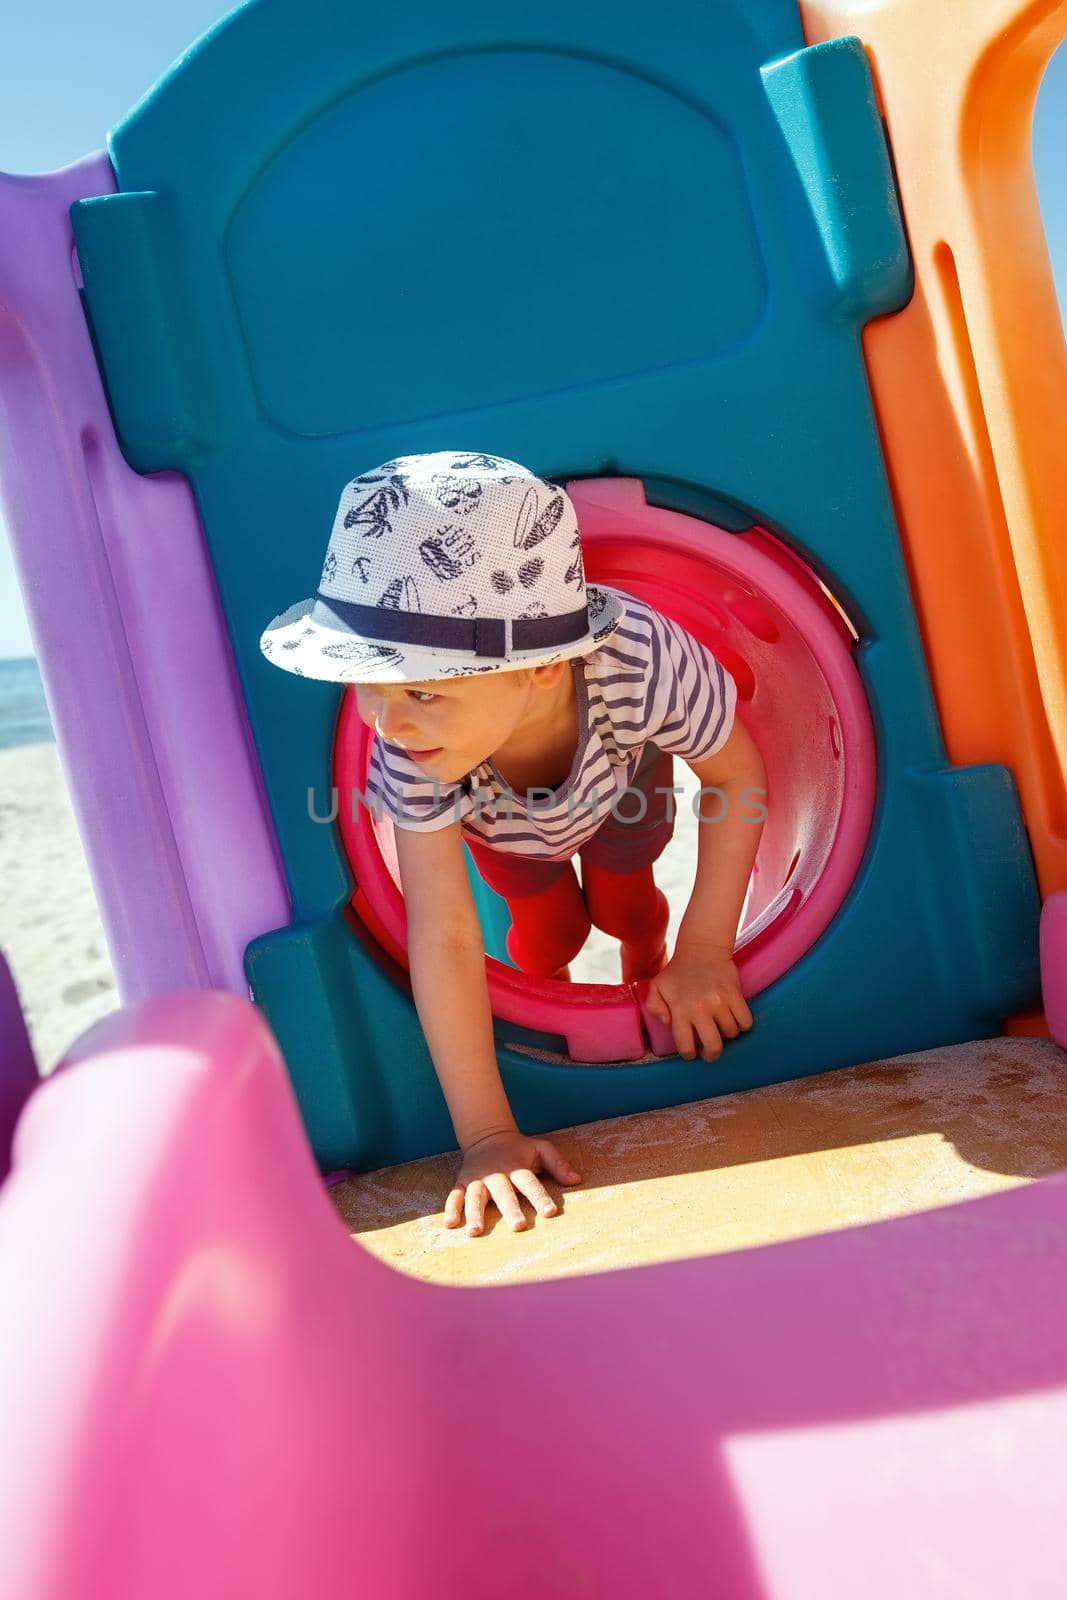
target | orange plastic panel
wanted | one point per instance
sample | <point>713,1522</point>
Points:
<point>969,382</point>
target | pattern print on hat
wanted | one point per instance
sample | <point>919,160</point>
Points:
<point>450,551</point>
<point>457,494</point>
<point>575,573</point>
<point>375,512</point>
<point>356,653</point>
<point>597,601</point>
<point>401,595</point>
<point>287,620</point>
<point>468,461</point>
<point>468,672</point>
<point>529,532</point>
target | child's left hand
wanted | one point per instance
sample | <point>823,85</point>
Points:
<point>698,994</point>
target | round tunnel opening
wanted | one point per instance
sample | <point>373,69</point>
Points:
<point>788,642</point>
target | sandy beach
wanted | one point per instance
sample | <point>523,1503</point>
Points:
<point>50,928</point>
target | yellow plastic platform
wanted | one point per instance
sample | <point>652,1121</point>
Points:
<point>847,1147</point>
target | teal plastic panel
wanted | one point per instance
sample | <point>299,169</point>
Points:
<point>596,240</point>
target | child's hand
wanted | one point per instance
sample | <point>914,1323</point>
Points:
<point>494,1168</point>
<point>699,992</point>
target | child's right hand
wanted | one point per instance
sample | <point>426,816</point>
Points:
<point>495,1168</point>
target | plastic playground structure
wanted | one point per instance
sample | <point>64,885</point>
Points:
<point>808,402</point>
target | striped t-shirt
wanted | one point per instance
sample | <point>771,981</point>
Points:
<point>650,680</point>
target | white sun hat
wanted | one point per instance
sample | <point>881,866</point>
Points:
<point>441,565</point>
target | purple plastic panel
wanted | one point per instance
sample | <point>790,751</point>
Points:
<point>125,618</point>
<point>1053,942</point>
<point>18,1065</point>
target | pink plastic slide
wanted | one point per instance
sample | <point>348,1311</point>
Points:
<point>210,1390</point>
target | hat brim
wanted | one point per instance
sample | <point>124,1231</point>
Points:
<point>297,644</point>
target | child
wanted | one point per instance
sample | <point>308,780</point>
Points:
<point>531,717</point>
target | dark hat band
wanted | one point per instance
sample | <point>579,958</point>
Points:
<point>484,636</point>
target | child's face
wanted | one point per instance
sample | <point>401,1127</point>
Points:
<point>459,721</point>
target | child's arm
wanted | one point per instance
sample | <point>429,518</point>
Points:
<point>698,993</point>
<point>728,834</point>
<point>446,959</point>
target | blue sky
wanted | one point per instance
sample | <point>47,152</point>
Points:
<point>69,71</point>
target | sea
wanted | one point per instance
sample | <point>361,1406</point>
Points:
<point>24,715</point>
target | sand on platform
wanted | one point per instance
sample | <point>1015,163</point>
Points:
<point>50,929</point>
<point>818,1154</point>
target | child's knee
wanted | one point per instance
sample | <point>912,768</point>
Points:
<point>540,949</point>
<point>548,929</point>
<point>626,905</point>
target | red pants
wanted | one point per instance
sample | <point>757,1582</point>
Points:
<point>550,927</point>
<point>551,915</point>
